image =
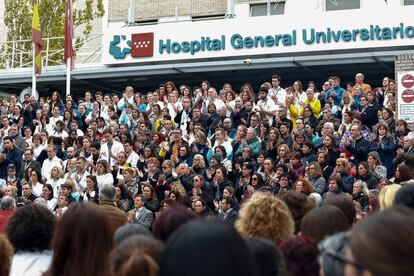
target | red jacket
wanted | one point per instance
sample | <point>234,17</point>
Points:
<point>4,218</point>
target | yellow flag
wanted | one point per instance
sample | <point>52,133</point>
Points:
<point>37,37</point>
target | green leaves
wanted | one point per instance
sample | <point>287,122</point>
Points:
<point>18,20</point>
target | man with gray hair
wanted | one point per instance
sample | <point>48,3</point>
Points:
<point>116,216</point>
<point>186,176</point>
<point>251,142</point>
<point>327,129</point>
<point>357,145</point>
<point>406,154</point>
<point>212,98</point>
<point>8,206</point>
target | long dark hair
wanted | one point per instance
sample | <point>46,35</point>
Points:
<point>80,245</point>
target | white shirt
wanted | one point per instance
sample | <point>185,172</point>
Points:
<point>161,104</point>
<point>80,180</point>
<point>122,101</point>
<point>183,123</point>
<point>217,102</point>
<point>51,204</point>
<point>37,151</point>
<point>55,185</point>
<point>37,189</point>
<point>48,165</point>
<point>53,120</point>
<point>280,94</point>
<point>49,128</point>
<point>227,145</point>
<point>30,263</point>
<point>232,105</point>
<point>268,105</point>
<point>116,148</point>
<point>64,134</point>
<point>172,111</point>
<point>133,159</point>
<point>302,98</point>
<point>138,211</point>
<point>89,118</point>
<point>105,179</point>
<point>92,195</point>
<point>79,132</point>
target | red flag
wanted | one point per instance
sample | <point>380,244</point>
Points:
<point>142,45</point>
<point>69,35</point>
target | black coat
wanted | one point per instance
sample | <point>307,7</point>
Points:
<point>369,116</point>
<point>361,198</point>
<point>360,149</point>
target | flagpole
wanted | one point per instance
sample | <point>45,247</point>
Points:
<point>68,61</point>
<point>68,54</point>
<point>34,71</point>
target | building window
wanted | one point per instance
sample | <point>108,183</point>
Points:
<point>408,2</point>
<point>335,5</point>
<point>261,9</point>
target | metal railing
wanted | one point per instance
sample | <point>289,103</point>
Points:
<point>18,54</point>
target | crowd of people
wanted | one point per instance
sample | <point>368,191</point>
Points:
<point>274,175</point>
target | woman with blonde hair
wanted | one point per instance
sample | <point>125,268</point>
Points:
<point>199,165</point>
<point>343,168</point>
<point>316,178</point>
<point>347,104</point>
<point>55,180</point>
<point>283,153</point>
<point>177,186</point>
<point>265,216</point>
<point>291,107</point>
<point>74,193</point>
<point>387,195</point>
<point>11,191</point>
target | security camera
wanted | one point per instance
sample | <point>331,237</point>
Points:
<point>247,61</point>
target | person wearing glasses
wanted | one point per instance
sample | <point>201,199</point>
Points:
<point>343,170</point>
<point>368,111</point>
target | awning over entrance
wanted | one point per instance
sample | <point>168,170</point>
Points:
<point>374,64</point>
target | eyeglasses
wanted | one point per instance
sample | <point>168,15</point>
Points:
<point>254,178</point>
<point>339,164</point>
<point>195,180</point>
